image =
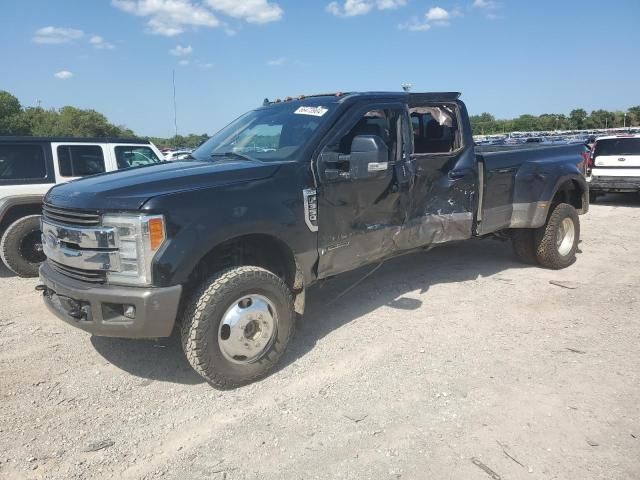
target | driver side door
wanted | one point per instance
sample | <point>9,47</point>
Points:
<point>359,202</point>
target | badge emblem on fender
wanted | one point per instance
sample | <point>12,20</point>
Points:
<point>310,198</point>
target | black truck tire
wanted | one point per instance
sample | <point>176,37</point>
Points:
<point>237,325</point>
<point>557,241</point>
<point>524,246</point>
<point>21,246</point>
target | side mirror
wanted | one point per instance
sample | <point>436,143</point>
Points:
<point>369,157</point>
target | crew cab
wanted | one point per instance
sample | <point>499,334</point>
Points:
<point>30,166</point>
<point>614,165</point>
<point>225,244</point>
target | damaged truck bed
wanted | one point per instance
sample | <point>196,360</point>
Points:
<point>290,193</point>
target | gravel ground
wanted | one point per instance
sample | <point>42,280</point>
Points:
<point>458,363</point>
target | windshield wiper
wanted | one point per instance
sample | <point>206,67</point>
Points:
<point>232,154</point>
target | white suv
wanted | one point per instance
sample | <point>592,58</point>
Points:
<point>30,166</point>
<point>614,165</point>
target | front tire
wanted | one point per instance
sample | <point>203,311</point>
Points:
<point>21,246</point>
<point>557,241</point>
<point>237,325</point>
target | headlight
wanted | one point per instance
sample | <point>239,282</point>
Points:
<point>139,237</point>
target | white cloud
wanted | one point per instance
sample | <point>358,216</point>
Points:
<point>55,35</point>
<point>98,42</point>
<point>169,17</point>
<point>277,62</point>
<point>415,25</point>
<point>63,74</point>
<point>173,17</point>
<point>390,4</point>
<point>352,8</point>
<point>489,8</point>
<point>180,51</point>
<point>183,62</point>
<point>252,11</point>
<point>484,4</point>
<point>437,14</point>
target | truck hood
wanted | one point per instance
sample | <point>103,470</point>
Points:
<point>130,189</point>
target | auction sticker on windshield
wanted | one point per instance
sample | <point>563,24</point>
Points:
<point>315,111</point>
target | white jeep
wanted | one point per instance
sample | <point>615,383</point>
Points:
<point>30,166</point>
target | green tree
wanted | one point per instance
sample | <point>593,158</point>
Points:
<point>11,121</point>
<point>577,118</point>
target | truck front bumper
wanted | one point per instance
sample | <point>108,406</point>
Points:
<point>110,311</point>
<point>613,184</point>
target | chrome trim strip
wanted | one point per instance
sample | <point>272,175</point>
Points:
<point>82,259</point>
<point>84,238</point>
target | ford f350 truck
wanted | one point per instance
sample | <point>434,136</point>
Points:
<point>225,243</point>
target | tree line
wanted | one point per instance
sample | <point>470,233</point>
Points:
<point>75,122</point>
<point>578,119</point>
<point>72,122</point>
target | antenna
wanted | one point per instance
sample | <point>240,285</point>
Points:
<point>406,86</point>
<point>175,110</point>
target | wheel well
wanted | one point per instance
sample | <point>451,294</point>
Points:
<point>257,250</point>
<point>19,211</point>
<point>572,193</point>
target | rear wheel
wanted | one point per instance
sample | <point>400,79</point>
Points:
<point>557,242</point>
<point>236,327</point>
<point>21,246</point>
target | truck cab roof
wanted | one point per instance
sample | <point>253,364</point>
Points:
<point>28,139</point>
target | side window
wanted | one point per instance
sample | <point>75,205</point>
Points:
<point>21,162</point>
<point>381,123</point>
<point>435,129</point>
<point>127,157</point>
<point>80,160</point>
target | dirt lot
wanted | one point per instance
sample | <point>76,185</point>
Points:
<point>458,363</point>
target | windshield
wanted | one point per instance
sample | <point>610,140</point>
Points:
<point>617,146</point>
<point>268,134</point>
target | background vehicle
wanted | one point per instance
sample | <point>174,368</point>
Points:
<point>286,195</point>
<point>176,155</point>
<point>615,165</point>
<point>29,166</point>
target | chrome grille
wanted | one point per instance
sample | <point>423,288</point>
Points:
<point>84,218</point>
<point>91,276</point>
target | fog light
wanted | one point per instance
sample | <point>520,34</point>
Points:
<point>130,311</point>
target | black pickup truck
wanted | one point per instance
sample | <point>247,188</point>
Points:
<point>225,243</point>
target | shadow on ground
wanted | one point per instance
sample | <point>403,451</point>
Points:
<point>160,360</point>
<point>327,310</point>
<point>5,272</point>
<point>619,200</point>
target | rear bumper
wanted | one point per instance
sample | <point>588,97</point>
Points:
<point>99,309</point>
<point>613,184</point>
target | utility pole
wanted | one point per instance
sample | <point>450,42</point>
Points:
<point>625,120</point>
<point>175,110</point>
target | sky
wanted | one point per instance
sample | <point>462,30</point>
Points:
<point>507,57</point>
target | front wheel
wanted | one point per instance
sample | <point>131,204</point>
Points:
<point>557,241</point>
<point>236,327</point>
<point>21,246</point>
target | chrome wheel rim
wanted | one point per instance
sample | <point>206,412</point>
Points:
<point>247,329</point>
<point>566,236</point>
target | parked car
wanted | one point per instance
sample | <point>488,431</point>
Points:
<point>227,244</point>
<point>174,155</point>
<point>29,166</point>
<point>614,165</point>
